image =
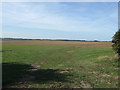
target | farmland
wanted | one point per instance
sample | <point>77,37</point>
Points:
<point>58,64</point>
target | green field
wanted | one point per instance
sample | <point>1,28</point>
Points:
<point>35,66</point>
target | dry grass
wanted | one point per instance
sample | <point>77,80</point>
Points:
<point>60,43</point>
<point>115,57</point>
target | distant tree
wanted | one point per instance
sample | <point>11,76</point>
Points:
<point>96,41</point>
<point>116,43</point>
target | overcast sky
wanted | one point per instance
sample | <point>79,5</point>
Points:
<point>60,20</point>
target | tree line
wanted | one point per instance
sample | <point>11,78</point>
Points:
<point>116,43</point>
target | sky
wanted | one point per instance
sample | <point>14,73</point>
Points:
<point>60,20</point>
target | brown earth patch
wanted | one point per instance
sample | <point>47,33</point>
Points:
<point>116,77</point>
<point>70,51</point>
<point>85,84</point>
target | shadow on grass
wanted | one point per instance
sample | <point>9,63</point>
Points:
<point>13,73</point>
<point>47,75</point>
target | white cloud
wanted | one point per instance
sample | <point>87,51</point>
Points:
<point>25,15</point>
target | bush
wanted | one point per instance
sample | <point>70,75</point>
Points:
<point>116,43</point>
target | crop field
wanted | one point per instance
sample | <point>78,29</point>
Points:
<point>59,43</point>
<point>58,64</point>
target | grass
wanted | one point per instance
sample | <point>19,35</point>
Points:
<point>34,66</point>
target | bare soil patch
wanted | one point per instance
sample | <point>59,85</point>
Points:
<point>85,84</point>
<point>70,51</point>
